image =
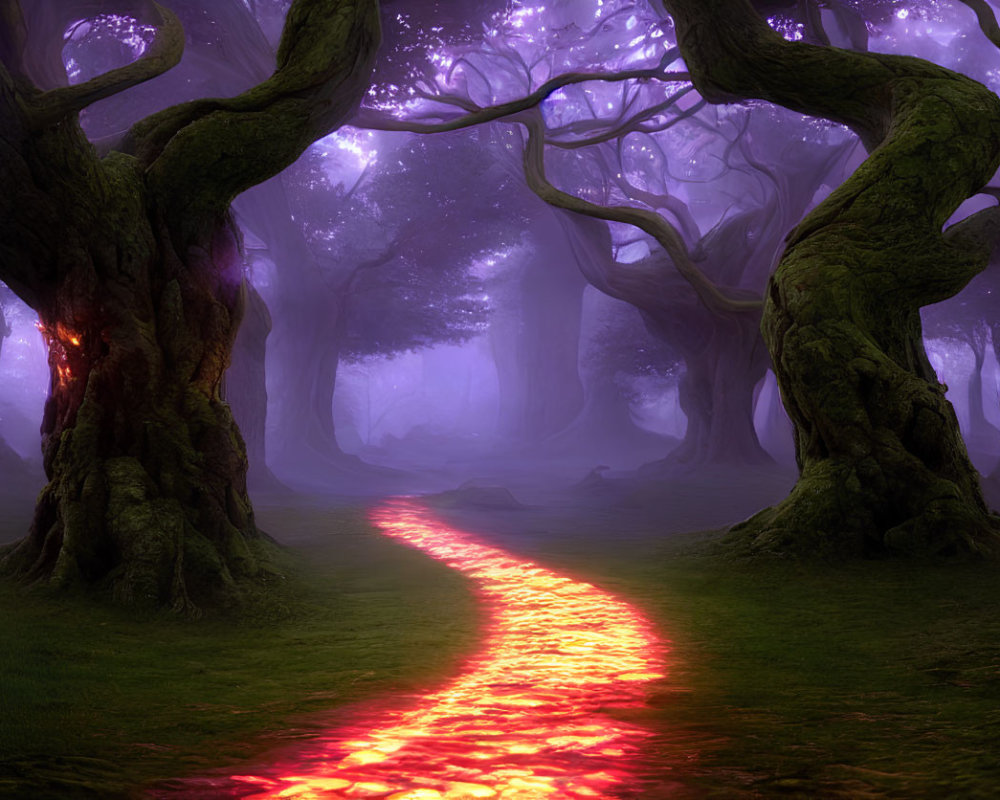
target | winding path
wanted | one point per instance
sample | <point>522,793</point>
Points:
<point>527,718</point>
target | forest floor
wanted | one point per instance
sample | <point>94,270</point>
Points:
<point>877,679</point>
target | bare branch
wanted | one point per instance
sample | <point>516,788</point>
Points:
<point>358,183</point>
<point>631,125</point>
<point>164,53</point>
<point>987,19</point>
<point>656,200</point>
<point>448,99</point>
<point>714,298</point>
<point>603,21</point>
<point>374,121</point>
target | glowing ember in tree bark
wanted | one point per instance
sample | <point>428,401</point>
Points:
<point>527,718</point>
<point>63,344</point>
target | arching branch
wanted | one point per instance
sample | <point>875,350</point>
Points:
<point>371,120</point>
<point>655,200</point>
<point>872,94</point>
<point>200,155</point>
<point>631,125</point>
<point>164,52</point>
<point>714,298</point>
<point>987,19</point>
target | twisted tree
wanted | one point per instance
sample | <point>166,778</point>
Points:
<point>883,465</point>
<point>132,262</point>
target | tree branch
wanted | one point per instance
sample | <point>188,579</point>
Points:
<point>164,52</point>
<point>746,59</point>
<point>978,234</point>
<point>631,125</point>
<point>373,121</point>
<point>200,155</point>
<point>654,200</point>
<point>714,298</point>
<point>871,225</point>
<point>987,19</point>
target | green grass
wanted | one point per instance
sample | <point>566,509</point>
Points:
<point>871,680</point>
<point>95,701</point>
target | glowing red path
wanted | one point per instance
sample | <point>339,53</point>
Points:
<point>526,717</point>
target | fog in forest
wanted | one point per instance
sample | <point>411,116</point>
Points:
<point>418,319</point>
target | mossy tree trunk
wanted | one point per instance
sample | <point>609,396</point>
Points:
<point>883,465</point>
<point>134,267</point>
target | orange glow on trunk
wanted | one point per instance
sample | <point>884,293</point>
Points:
<point>527,717</point>
<point>62,343</point>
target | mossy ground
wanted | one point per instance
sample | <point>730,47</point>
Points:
<point>97,701</point>
<point>870,680</point>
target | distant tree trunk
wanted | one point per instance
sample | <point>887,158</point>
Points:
<point>606,430</point>
<point>724,359</point>
<point>537,353</point>
<point>982,433</point>
<point>245,389</point>
<point>307,439</point>
<point>306,341</point>
<point>607,412</point>
<point>723,353</point>
<point>883,465</point>
<point>5,329</point>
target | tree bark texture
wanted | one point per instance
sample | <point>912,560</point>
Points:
<point>883,465</point>
<point>134,267</point>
